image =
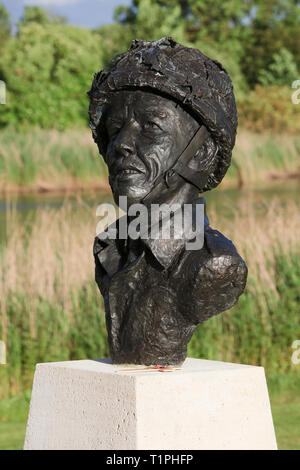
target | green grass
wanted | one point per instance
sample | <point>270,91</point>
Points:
<point>48,157</point>
<point>61,334</point>
<point>12,435</point>
<point>13,418</point>
<point>285,406</point>
<point>286,418</point>
<point>259,159</point>
<point>285,403</point>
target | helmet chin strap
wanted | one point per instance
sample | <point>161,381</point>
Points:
<point>181,168</point>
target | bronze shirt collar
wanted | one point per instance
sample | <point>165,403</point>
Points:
<point>110,251</point>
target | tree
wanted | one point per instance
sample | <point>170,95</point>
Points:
<point>48,70</point>
<point>282,71</point>
<point>150,20</point>
<point>213,21</point>
<point>5,27</point>
<point>40,16</point>
<point>113,39</point>
<point>275,24</point>
<point>249,31</point>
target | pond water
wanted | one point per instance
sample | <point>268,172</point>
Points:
<point>223,200</point>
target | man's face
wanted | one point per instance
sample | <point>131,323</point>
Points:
<point>146,134</point>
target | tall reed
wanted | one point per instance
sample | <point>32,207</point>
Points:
<point>51,160</point>
<point>46,160</point>
<point>259,159</point>
<point>261,328</point>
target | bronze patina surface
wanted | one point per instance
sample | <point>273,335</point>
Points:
<point>164,119</point>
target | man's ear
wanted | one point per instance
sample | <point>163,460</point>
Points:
<point>205,159</point>
<point>204,163</point>
<point>201,166</point>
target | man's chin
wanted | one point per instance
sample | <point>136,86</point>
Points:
<point>127,197</point>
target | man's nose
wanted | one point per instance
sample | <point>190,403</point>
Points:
<point>125,142</point>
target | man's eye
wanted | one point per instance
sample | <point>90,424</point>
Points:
<point>113,129</point>
<point>151,125</point>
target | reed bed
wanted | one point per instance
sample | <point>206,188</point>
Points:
<point>51,310</point>
<point>259,159</point>
<point>261,328</point>
<point>49,160</point>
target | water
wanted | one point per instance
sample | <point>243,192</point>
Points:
<point>223,200</point>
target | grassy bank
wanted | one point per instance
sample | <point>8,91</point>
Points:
<point>50,161</point>
<point>259,159</point>
<point>43,160</point>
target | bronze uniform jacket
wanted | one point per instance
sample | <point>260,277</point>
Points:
<point>156,292</point>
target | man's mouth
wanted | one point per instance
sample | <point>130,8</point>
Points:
<point>128,172</point>
<point>124,172</point>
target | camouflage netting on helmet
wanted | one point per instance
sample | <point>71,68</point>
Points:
<point>184,74</point>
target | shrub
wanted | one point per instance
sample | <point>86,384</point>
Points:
<point>282,71</point>
<point>270,108</point>
<point>48,69</point>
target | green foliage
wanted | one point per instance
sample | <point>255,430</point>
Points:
<point>282,71</point>
<point>48,69</point>
<point>40,16</point>
<point>209,20</point>
<point>113,39</point>
<point>48,66</point>
<point>4,26</point>
<point>60,334</point>
<point>269,108</point>
<point>251,33</point>
<point>153,21</point>
<point>274,25</point>
<point>48,156</point>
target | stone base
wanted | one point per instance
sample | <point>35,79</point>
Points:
<point>206,405</point>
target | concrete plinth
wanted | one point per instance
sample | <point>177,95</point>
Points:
<point>206,405</point>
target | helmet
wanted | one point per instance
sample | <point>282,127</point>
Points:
<point>201,85</point>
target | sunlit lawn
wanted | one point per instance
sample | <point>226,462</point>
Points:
<point>286,415</point>
<point>12,435</point>
<point>13,418</point>
<point>285,409</point>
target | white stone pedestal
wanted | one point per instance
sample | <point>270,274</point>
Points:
<point>206,405</point>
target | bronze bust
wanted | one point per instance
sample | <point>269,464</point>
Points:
<point>164,119</point>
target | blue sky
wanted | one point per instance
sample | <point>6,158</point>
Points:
<point>90,13</point>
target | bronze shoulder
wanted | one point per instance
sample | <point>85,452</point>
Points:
<point>217,276</point>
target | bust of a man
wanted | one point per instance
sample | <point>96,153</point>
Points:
<point>164,119</point>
